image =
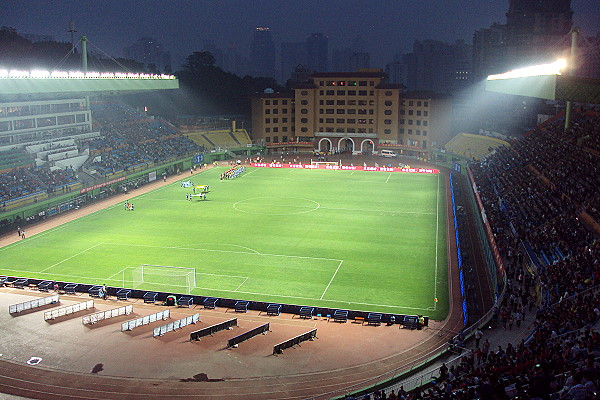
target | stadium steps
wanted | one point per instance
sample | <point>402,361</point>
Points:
<point>209,141</point>
<point>234,138</point>
<point>474,146</point>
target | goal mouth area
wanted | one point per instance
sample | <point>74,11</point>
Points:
<point>149,276</point>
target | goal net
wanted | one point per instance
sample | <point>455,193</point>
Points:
<point>312,162</point>
<point>160,277</point>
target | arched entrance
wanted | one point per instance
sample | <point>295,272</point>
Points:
<point>346,144</point>
<point>367,146</point>
<point>325,145</point>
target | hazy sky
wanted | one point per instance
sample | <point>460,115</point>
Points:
<point>386,27</point>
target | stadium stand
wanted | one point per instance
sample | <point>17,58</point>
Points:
<point>534,195</point>
<point>473,146</point>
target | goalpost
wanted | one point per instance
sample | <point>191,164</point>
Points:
<point>312,162</point>
<point>160,276</point>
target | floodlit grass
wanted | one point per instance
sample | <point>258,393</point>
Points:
<point>370,241</point>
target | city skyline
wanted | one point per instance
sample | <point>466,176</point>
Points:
<point>385,27</point>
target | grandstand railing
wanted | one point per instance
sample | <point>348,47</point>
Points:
<point>28,305</point>
<point>63,311</point>
<point>116,312</point>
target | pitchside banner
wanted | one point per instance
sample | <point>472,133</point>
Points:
<point>87,189</point>
<point>347,168</point>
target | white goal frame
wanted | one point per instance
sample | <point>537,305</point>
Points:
<point>312,162</point>
<point>168,276</point>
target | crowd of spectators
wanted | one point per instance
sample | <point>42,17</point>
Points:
<point>129,139</point>
<point>533,195</point>
<point>26,181</point>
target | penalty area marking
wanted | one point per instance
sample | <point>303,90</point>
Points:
<point>311,208</point>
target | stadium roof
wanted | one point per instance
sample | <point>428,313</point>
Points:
<point>18,83</point>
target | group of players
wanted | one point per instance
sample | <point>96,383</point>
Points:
<point>233,172</point>
<point>129,206</point>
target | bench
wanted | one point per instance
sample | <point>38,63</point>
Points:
<point>20,283</point>
<point>374,319</point>
<point>410,321</point>
<point>45,286</point>
<point>96,291</point>
<point>241,306</point>
<point>123,294</point>
<point>306,312</point>
<point>185,301</point>
<point>273,309</point>
<point>3,280</point>
<point>70,288</point>
<point>340,316</point>
<point>210,303</point>
<point>150,297</point>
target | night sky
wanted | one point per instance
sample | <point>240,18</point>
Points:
<point>385,27</point>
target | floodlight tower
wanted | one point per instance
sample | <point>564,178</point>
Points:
<point>84,60</point>
<point>72,32</point>
<point>571,68</point>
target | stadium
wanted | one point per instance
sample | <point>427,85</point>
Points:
<point>149,262</point>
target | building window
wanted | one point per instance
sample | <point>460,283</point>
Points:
<point>321,92</point>
<point>284,102</point>
<point>401,122</point>
<point>388,112</point>
<point>424,144</point>
<point>418,132</point>
<point>321,110</point>
<point>425,113</point>
<point>402,102</point>
<point>362,121</point>
<point>372,121</point>
<point>425,104</point>
<point>341,130</point>
<point>351,130</point>
<point>351,92</point>
<point>284,129</point>
<point>329,111</point>
<point>371,111</point>
<point>268,130</point>
<point>328,129</point>
<point>424,133</point>
<point>351,102</point>
<point>341,92</point>
<point>275,111</point>
<point>371,93</point>
<point>387,131</point>
<point>329,92</point>
<point>340,121</point>
<point>362,102</point>
<point>320,120</point>
<point>410,131</point>
<point>424,123</point>
<point>418,113</point>
<point>304,111</point>
<point>275,129</point>
<point>351,111</point>
<point>304,102</point>
<point>351,121</point>
<point>330,102</point>
<point>341,102</point>
<point>370,130</point>
<point>387,121</point>
<point>304,129</point>
<point>275,102</point>
<point>267,102</point>
<point>304,120</point>
<point>275,139</point>
<point>410,121</point>
<point>341,111</point>
<point>275,120</point>
<point>402,131</point>
<point>388,103</point>
<point>351,83</point>
<point>402,112</point>
<point>284,138</point>
<point>267,120</point>
<point>268,111</point>
<point>284,110</point>
<point>268,139</point>
<point>329,120</point>
<point>411,103</point>
<point>388,93</point>
<point>362,93</point>
<point>362,83</point>
<point>419,103</point>
<point>418,122</point>
<point>362,130</point>
<point>321,102</point>
<point>362,111</point>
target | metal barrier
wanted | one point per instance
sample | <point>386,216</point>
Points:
<point>247,335</point>
<point>148,319</point>
<point>180,323</point>
<point>209,330</point>
<point>310,335</point>
<point>61,312</point>
<point>115,312</point>
<point>28,305</point>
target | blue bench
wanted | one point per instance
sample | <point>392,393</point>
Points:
<point>96,291</point>
<point>123,294</point>
<point>410,322</point>
<point>70,288</point>
<point>306,312</point>
<point>210,302</point>
<point>374,319</point>
<point>185,301</point>
<point>3,280</point>
<point>241,306</point>
<point>150,297</point>
<point>274,309</point>
<point>45,286</point>
<point>20,283</point>
<point>340,316</point>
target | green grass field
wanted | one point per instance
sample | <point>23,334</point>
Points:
<point>370,241</point>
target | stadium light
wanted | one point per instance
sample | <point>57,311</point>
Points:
<point>535,70</point>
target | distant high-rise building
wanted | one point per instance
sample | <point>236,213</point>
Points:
<point>262,53</point>
<point>360,60</point>
<point>150,53</point>
<point>292,55</point>
<point>234,62</point>
<point>317,51</point>
<point>535,32</point>
<point>349,60</point>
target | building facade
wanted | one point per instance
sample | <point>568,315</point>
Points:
<point>262,53</point>
<point>354,112</point>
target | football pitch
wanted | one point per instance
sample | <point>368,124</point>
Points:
<point>360,240</point>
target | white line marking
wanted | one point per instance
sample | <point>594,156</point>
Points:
<point>67,259</point>
<point>388,178</point>
<point>236,289</point>
<point>331,280</point>
<point>437,229</point>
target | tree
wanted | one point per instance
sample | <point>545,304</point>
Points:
<point>198,60</point>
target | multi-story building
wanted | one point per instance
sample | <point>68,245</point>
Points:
<point>355,112</point>
<point>317,52</point>
<point>150,53</point>
<point>262,53</point>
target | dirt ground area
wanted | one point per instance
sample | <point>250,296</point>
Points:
<point>101,362</point>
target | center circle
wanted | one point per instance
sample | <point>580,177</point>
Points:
<point>276,205</point>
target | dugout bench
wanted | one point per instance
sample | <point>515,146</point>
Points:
<point>210,303</point>
<point>185,301</point>
<point>306,312</point>
<point>3,280</point>
<point>274,309</point>
<point>241,306</point>
<point>20,283</point>
<point>150,297</point>
<point>45,286</point>
<point>340,316</point>
<point>123,294</point>
<point>70,288</point>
